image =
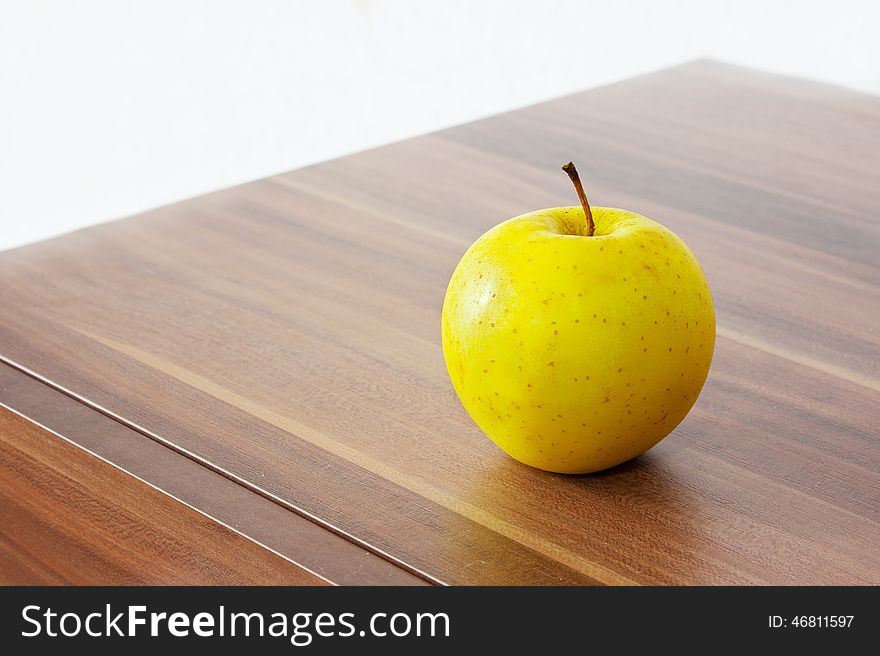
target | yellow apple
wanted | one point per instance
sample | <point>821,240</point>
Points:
<point>578,338</point>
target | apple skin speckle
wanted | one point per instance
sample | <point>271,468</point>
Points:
<point>647,358</point>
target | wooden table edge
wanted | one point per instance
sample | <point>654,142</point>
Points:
<point>274,526</point>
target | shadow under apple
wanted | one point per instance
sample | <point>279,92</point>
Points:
<point>637,519</point>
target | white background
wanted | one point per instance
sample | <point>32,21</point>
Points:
<point>110,108</point>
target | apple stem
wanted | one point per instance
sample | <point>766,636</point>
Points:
<point>576,181</point>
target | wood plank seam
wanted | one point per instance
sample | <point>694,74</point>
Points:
<point>204,463</point>
<point>165,492</point>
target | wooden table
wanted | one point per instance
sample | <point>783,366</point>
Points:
<point>249,386</point>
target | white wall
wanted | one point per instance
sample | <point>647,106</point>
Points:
<point>108,108</point>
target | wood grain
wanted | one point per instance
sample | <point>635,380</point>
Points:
<point>286,333</point>
<point>67,517</point>
<point>270,524</point>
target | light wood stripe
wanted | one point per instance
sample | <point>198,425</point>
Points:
<point>797,358</point>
